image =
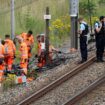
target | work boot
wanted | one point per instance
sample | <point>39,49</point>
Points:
<point>100,60</point>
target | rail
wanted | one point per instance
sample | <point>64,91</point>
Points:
<point>35,96</point>
<point>81,94</point>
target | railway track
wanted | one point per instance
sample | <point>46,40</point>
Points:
<point>84,92</point>
<point>35,96</point>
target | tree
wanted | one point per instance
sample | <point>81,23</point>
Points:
<point>87,8</point>
<point>101,2</point>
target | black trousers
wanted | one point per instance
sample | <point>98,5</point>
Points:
<point>100,45</point>
<point>83,47</point>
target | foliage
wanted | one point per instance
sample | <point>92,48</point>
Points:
<point>94,19</point>
<point>87,8</point>
<point>30,22</point>
<point>59,30</point>
<point>32,73</point>
<point>101,2</point>
<point>9,81</point>
<point>60,26</point>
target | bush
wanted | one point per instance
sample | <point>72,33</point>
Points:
<point>9,81</point>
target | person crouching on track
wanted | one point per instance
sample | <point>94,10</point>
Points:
<point>9,52</point>
<point>2,64</point>
<point>23,55</point>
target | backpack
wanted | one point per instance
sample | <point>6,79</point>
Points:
<point>86,28</point>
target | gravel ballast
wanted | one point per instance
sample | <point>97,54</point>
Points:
<point>60,95</point>
<point>96,97</point>
<point>18,93</point>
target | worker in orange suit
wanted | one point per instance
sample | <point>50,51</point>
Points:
<point>2,65</point>
<point>29,40</point>
<point>23,54</point>
<point>9,51</point>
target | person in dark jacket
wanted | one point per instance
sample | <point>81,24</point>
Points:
<point>83,31</point>
<point>100,38</point>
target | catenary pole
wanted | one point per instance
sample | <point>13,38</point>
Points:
<point>74,6</point>
<point>12,20</point>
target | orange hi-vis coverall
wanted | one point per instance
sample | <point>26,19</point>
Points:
<point>24,57</point>
<point>39,48</point>
<point>9,51</point>
<point>29,41</point>
<point>2,66</point>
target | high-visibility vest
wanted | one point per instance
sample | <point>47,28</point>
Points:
<point>1,51</point>
<point>8,50</point>
<point>9,47</point>
<point>13,45</point>
<point>28,40</point>
<point>23,50</point>
<point>1,72</point>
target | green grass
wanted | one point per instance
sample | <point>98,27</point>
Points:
<point>30,15</point>
<point>33,11</point>
<point>100,8</point>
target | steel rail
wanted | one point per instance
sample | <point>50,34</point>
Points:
<point>35,96</point>
<point>85,91</point>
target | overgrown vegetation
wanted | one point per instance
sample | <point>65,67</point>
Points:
<point>9,81</point>
<point>29,15</point>
<point>96,7</point>
<point>87,7</point>
<point>60,29</point>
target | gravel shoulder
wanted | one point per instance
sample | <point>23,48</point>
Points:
<point>59,95</point>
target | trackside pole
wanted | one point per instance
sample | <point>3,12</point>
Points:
<point>12,20</point>
<point>74,5</point>
<point>47,17</point>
